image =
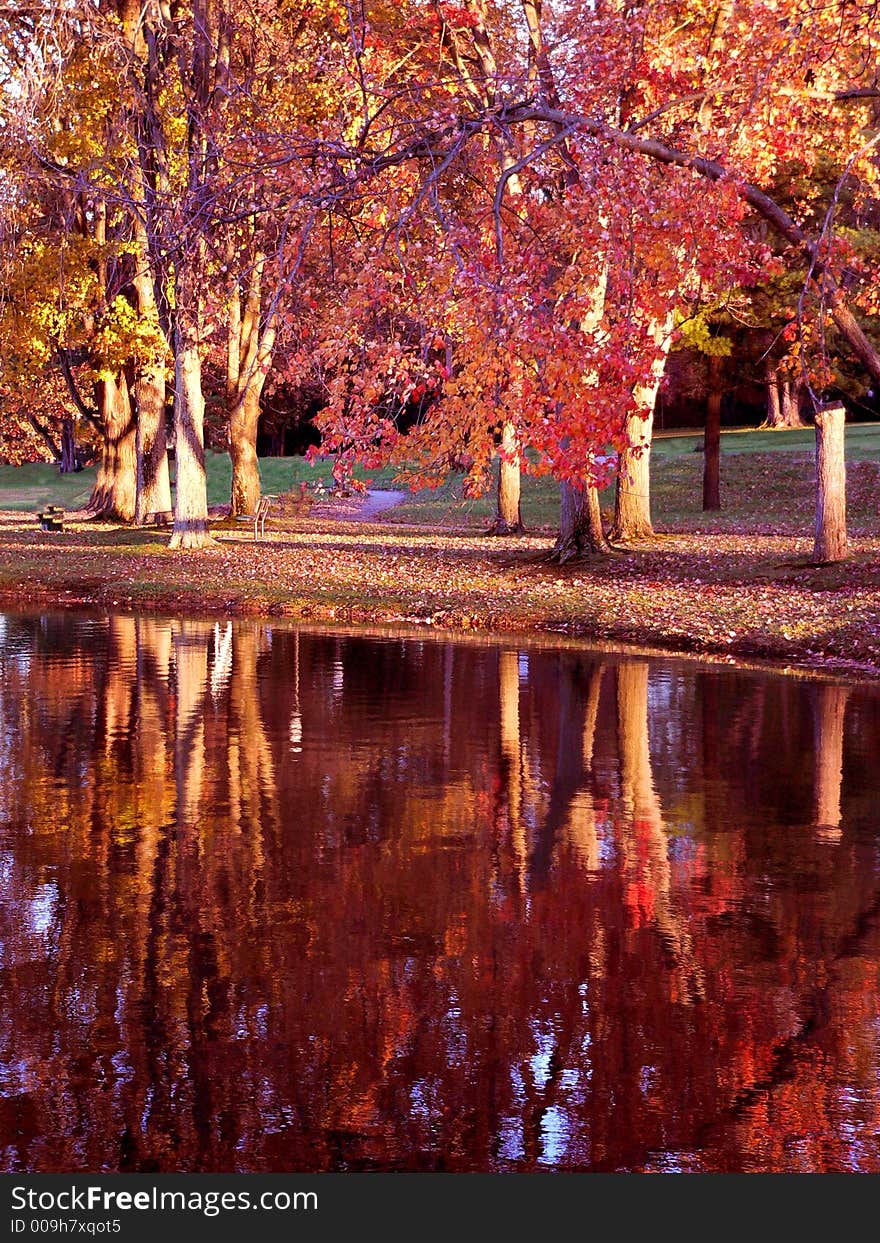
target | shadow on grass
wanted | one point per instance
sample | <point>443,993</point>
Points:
<point>112,537</point>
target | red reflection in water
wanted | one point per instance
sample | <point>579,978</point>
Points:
<point>276,901</point>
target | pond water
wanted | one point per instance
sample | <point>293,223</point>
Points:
<point>278,900</point>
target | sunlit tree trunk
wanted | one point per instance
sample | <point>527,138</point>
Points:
<point>243,424</point>
<point>508,518</point>
<point>153,479</point>
<point>113,495</point>
<point>191,494</point>
<point>712,441</point>
<point>831,542</point>
<point>148,391</point>
<point>632,509</point>
<point>251,339</point>
<point>153,494</point>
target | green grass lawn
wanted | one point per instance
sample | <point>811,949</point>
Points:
<point>765,480</point>
<point>862,441</point>
<point>38,484</point>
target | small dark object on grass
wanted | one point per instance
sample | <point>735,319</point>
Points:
<point>51,518</point>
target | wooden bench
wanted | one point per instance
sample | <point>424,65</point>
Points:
<point>259,518</point>
<point>51,518</point>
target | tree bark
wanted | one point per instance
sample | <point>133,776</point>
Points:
<point>508,518</point>
<point>774,408</point>
<point>243,423</point>
<point>70,462</point>
<point>250,341</point>
<point>783,401</point>
<point>632,507</point>
<point>113,495</point>
<point>153,479</point>
<point>791,403</point>
<point>712,440</point>
<point>831,543</point>
<point>191,495</point>
<point>580,523</point>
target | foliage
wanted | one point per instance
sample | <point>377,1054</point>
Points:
<point>462,217</point>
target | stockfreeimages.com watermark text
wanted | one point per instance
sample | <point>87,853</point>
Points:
<point>95,1199</point>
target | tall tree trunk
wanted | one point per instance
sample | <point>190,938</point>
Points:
<point>508,517</point>
<point>632,508</point>
<point>783,401</point>
<point>712,441</point>
<point>153,479</point>
<point>148,390</point>
<point>243,423</point>
<point>831,542</point>
<point>113,495</point>
<point>250,341</point>
<point>580,523</point>
<point>791,403</point>
<point>774,408</point>
<point>191,495</point>
<point>69,457</point>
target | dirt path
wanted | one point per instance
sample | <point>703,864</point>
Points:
<point>357,508</point>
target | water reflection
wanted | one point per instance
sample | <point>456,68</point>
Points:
<point>278,900</point>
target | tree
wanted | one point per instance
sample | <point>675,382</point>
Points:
<point>251,337</point>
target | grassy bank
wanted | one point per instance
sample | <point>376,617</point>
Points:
<point>732,595</point>
<point>735,584</point>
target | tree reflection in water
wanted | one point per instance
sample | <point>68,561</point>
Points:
<point>279,900</point>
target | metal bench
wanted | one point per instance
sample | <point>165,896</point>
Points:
<point>259,517</point>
